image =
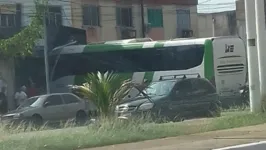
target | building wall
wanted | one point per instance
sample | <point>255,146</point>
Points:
<point>109,30</point>
<point>24,13</point>
<point>205,25</point>
<point>220,27</point>
<point>28,9</point>
<point>14,10</point>
<point>7,72</point>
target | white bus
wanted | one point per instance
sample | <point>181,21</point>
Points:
<point>222,60</point>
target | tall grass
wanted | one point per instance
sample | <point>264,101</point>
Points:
<point>107,131</point>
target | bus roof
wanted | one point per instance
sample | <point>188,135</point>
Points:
<point>127,45</point>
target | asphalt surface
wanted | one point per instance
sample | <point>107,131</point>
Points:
<point>203,141</point>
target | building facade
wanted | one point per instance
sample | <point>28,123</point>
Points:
<point>10,20</point>
<point>217,24</point>
<point>120,19</point>
<point>14,16</point>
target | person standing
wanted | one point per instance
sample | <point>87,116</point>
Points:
<point>21,96</point>
<point>32,91</point>
<point>3,101</point>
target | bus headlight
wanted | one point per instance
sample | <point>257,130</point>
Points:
<point>146,106</point>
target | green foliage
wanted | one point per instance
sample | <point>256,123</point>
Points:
<point>104,90</point>
<point>22,43</point>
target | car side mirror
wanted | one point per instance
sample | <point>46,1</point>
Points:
<point>46,104</point>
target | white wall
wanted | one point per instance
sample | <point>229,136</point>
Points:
<point>205,24</point>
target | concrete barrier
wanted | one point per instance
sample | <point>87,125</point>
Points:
<point>251,146</point>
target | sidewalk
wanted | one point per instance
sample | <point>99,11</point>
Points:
<point>203,141</point>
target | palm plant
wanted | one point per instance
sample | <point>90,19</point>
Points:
<point>105,90</point>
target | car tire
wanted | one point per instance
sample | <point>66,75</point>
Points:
<point>214,110</point>
<point>36,120</point>
<point>81,117</point>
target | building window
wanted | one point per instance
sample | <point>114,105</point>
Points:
<point>155,17</point>
<point>183,22</point>
<point>54,16</point>
<point>91,15</point>
<point>124,17</point>
<point>7,20</point>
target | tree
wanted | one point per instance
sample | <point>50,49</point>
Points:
<point>22,43</point>
<point>104,90</point>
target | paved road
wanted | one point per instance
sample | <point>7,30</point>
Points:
<point>203,141</point>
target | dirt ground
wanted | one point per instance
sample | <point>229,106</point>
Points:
<point>202,141</point>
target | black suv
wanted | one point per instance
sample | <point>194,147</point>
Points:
<point>174,99</point>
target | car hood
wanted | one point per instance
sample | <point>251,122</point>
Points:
<point>140,100</point>
<point>18,111</point>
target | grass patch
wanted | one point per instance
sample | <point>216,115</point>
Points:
<point>109,132</point>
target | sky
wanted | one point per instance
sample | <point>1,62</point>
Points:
<point>210,6</point>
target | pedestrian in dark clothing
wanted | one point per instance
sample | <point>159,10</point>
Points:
<point>3,101</point>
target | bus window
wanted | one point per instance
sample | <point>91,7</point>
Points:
<point>139,60</point>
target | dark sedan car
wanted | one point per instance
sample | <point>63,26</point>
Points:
<point>173,99</point>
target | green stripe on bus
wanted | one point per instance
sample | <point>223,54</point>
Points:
<point>159,44</point>
<point>112,47</point>
<point>149,76</point>
<point>208,60</point>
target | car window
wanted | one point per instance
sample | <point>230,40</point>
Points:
<point>207,85</point>
<point>201,86</point>
<point>54,100</point>
<point>183,88</point>
<point>160,88</point>
<point>68,98</point>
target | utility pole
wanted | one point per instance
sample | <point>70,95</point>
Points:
<point>213,27</point>
<point>260,25</point>
<point>46,61</point>
<point>142,19</point>
<point>252,54</point>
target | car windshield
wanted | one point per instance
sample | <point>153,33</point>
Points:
<point>31,102</point>
<point>160,88</point>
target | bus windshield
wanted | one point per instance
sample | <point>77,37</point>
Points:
<point>137,60</point>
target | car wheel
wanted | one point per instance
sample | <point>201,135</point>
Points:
<point>81,117</point>
<point>36,120</point>
<point>214,110</point>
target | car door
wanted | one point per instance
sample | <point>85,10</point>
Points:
<point>72,105</point>
<point>188,93</point>
<point>54,110</point>
<point>179,98</point>
<point>205,93</point>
